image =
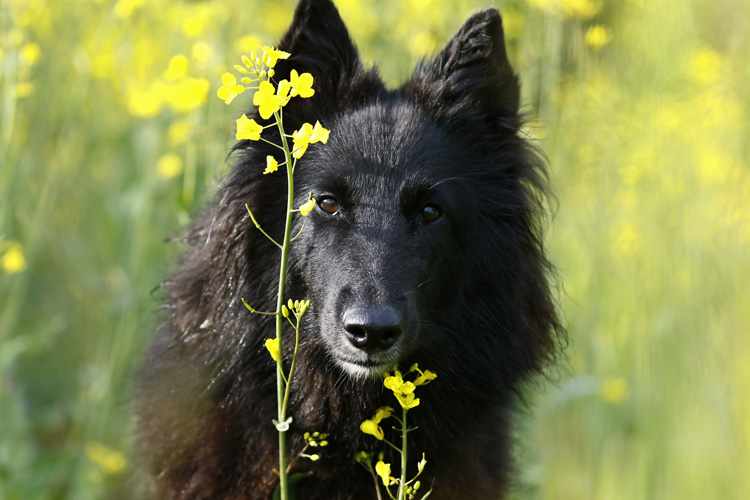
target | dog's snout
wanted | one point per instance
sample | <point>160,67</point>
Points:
<point>371,328</point>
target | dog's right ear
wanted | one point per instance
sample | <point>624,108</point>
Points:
<point>471,77</point>
<point>320,44</point>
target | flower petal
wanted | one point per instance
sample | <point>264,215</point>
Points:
<point>370,427</point>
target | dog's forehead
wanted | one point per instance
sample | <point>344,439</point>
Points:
<point>387,136</point>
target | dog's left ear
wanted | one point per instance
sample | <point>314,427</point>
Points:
<point>471,76</point>
<point>320,44</point>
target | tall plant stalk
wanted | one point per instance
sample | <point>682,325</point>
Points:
<point>271,97</point>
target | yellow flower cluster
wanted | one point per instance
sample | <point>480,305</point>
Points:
<point>306,135</point>
<point>383,470</point>
<point>269,98</point>
<point>296,307</point>
<point>404,391</point>
<point>314,440</point>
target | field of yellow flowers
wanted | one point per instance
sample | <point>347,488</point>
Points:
<point>111,135</point>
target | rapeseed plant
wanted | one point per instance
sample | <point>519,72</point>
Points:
<point>270,97</point>
<point>404,392</point>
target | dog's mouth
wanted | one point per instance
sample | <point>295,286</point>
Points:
<point>367,369</point>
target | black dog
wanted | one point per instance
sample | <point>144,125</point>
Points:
<point>424,247</point>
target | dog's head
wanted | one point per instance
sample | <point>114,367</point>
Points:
<point>423,228</point>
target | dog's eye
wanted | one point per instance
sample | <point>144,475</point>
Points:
<point>329,205</point>
<point>430,213</point>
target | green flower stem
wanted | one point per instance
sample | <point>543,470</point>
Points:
<point>285,403</point>
<point>402,484</point>
<point>257,225</point>
<point>281,385</point>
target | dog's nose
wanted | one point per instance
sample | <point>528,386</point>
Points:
<point>372,328</point>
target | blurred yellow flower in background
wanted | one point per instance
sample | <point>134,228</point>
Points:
<point>188,94</point>
<point>614,389</point>
<point>704,66</point>
<point>582,9</point>
<point>179,65</point>
<point>31,53</point>
<point>13,261</point>
<point>109,461</point>
<point>597,36</point>
<point>169,166</point>
<point>125,8</point>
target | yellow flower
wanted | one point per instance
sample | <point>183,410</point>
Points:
<point>319,134</point>
<point>598,36</point>
<point>271,55</point>
<point>248,129</point>
<point>396,383</point>
<point>125,8</point>
<point>307,207</point>
<point>188,94</point>
<point>704,66</point>
<point>371,426</point>
<point>306,135</point>
<point>273,347</point>
<point>271,165</point>
<point>229,90</point>
<point>178,67</point>
<point>179,132</point>
<point>283,90</point>
<point>267,100</point>
<point>111,462</point>
<point>146,102</point>
<point>169,166</point>
<point>583,9</point>
<point>384,471</point>
<point>407,400</point>
<point>614,389</point>
<point>404,391</point>
<point>30,53</point>
<point>302,84</point>
<point>383,413</point>
<point>202,52</point>
<point>13,261</point>
<point>246,43</point>
<point>301,139</point>
<point>424,376</point>
<point>193,26</point>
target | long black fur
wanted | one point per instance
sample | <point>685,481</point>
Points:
<point>473,286</point>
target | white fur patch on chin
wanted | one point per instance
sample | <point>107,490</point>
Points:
<point>360,372</point>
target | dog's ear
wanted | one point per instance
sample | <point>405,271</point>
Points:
<point>471,76</point>
<point>319,44</point>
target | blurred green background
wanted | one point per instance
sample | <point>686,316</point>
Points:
<point>111,136</point>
